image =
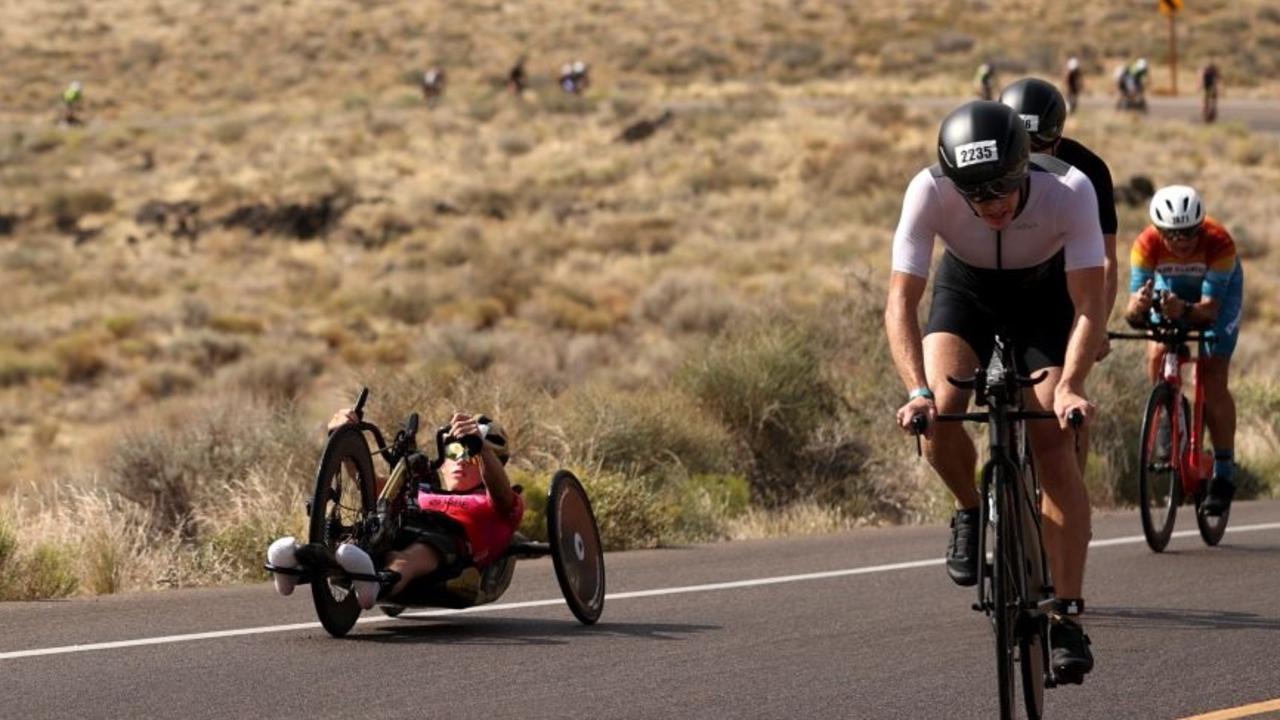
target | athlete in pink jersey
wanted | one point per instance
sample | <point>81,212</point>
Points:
<point>475,493</point>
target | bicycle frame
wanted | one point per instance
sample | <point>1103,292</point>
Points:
<point>1195,465</point>
<point>1009,486</point>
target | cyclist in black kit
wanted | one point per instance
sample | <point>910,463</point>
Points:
<point>1044,112</point>
<point>1024,256</point>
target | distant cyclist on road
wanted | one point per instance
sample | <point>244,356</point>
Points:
<point>517,79</point>
<point>1209,81</point>
<point>1043,112</point>
<point>984,81</point>
<point>433,82</point>
<point>574,77</point>
<point>1074,82</point>
<point>1191,259</point>
<point>1024,255</point>
<point>72,100</point>
<point>1136,85</point>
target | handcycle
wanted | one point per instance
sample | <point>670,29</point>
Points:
<point>1015,589</point>
<point>1166,476</point>
<point>346,508</point>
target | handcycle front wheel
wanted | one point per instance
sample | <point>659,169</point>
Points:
<point>576,550</point>
<point>342,501</point>
<point>1159,476</point>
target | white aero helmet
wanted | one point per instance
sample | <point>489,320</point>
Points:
<point>1177,207</point>
<point>1142,64</point>
<point>1073,64</point>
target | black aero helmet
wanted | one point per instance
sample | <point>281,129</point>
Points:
<point>983,148</point>
<point>1042,108</point>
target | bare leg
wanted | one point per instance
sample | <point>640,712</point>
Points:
<point>1219,405</point>
<point>951,451</point>
<point>1065,508</point>
<point>413,562</point>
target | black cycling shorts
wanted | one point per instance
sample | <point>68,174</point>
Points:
<point>441,533</point>
<point>1030,306</point>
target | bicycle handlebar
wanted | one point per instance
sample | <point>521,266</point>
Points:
<point>971,383</point>
<point>358,410</point>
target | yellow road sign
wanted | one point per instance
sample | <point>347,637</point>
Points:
<point>1169,7</point>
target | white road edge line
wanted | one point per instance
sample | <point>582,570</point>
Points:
<point>709,587</point>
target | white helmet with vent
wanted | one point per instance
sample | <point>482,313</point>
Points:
<point>1177,207</point>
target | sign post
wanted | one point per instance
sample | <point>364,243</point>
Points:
<point>1170,9</point>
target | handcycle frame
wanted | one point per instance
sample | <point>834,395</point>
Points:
<point>1018,571</point>
<point>1192,465</point>
<point>573,536</point>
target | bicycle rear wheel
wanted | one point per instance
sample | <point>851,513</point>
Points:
<point>1211,528</point>
<point>1159,479</point>
<point>342,501</point>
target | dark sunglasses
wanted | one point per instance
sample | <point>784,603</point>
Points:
<point>993,189</point>
<point>1181,233</point>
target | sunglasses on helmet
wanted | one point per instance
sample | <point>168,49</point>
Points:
<point>993,189</point>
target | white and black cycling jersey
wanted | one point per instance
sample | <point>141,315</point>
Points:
<point>1060,214</point>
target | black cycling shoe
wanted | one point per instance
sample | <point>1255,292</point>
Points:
<point>962,551</point>
<point>1069,653</point>
<point>1218,499</point>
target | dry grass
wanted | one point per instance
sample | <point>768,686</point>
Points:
<point>690,320</point>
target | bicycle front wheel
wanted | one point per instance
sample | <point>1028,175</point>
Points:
<point>1005,568</point>
<point>1159,479</point>
<point>343,500</point>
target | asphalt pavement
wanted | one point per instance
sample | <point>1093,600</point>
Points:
<point>862,624</point>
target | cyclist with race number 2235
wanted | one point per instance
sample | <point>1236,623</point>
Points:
<point>1024,257</point>
<point>1191,258</point>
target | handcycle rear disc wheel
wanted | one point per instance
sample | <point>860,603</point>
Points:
<point>1159,479</point>
<point>1211,528</point>
<point>576,550</point>
<point>343,499</point>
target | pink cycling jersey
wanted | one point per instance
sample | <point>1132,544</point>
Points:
<point>488,532</point>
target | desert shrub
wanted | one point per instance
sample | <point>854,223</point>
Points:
<point>706,506</point>
<point>8,549</point>
<point>255,511</point>
<point>206,350</point>
<point>766,383</point>
<point>725,176</point>
<point>49,571</point>
<point>276,380</point>
<point>17,367</point>
<point>629,512</point>
<point>121,326</point>
<point>80,356</point>
<point>687,301</point>
<point>173,467</point>
<point>236,324</point>
<point>68,206</point>
<point>166,380</point>
<point>230,132</point>
<point>657,435</point>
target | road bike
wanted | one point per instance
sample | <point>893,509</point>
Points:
<point>1166,476</point>
<point>1014,586</point>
